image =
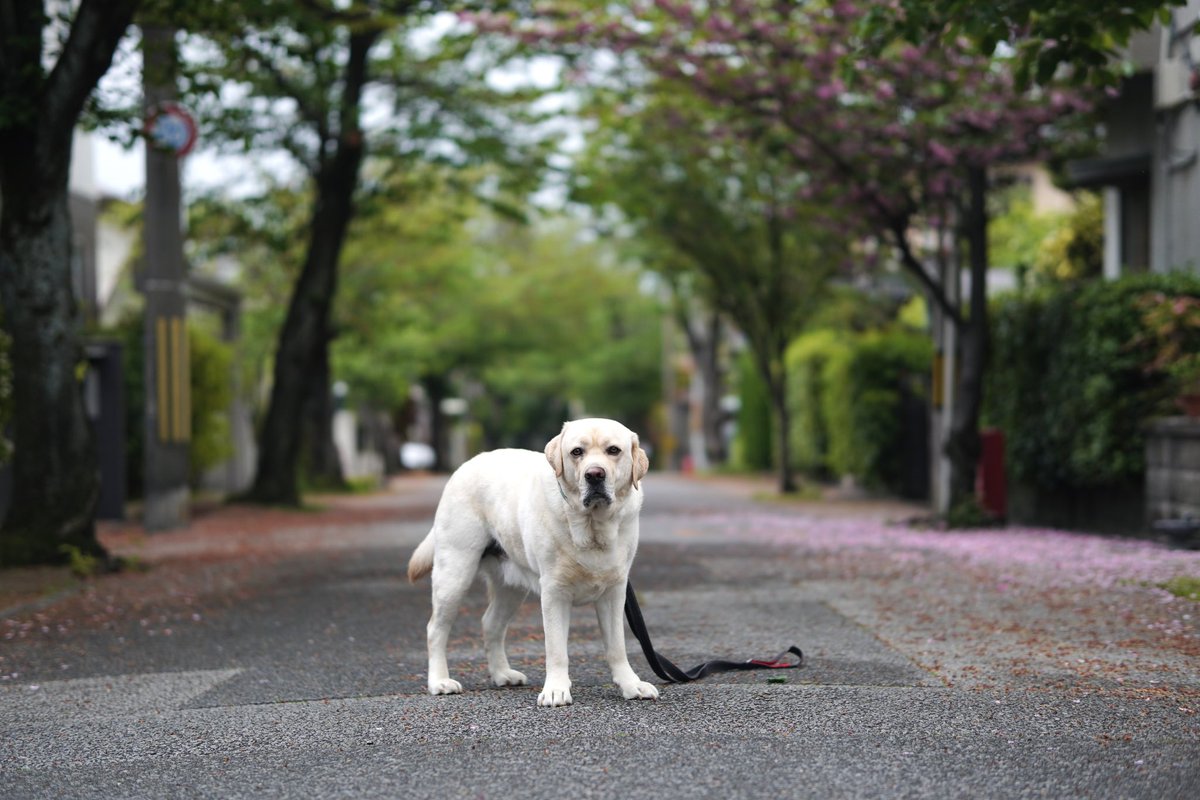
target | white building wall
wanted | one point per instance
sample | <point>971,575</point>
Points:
<point>1176,193</point>
<point>1175,189</point>
<point>82,180</point>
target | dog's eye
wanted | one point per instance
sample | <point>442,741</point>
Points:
<point>614,451</point>
<point>577,452</point>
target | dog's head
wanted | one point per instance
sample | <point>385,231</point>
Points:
<point>598,459</point>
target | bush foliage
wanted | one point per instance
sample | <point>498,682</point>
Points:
<point>1070,382</point>
<point>846,393</point>
<point>807,359</point>
<point>752,447</point>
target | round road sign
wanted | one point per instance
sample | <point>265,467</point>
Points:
<point>170,127</point>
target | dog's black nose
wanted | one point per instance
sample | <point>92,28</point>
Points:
<point>594,474</point>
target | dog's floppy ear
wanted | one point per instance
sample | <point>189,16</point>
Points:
<point>554,454</point>
<point>641,464</point>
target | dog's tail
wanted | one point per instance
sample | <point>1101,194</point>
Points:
<point>421,563</point>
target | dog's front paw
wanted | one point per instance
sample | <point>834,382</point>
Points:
<point>555,695</point>
<point>446,686</point>
<point>639,690</point>
<point>509,677</point>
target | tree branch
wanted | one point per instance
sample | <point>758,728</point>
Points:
<point>95,33</point>
<point>899,232</point>
<point>314,115</point>
<point>897,223</point>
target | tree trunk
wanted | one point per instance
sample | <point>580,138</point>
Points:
<point>707,357</point>
<point>963,447</point>
<point>323,462</point>
<point>56,482</point>
<point>55,479</point>
<point>712,418</point>
<point>773,369</point>
<point>437,390</point>
<point>787,476</point>
<point>706,349</point>
<point>304,340</point>
<point>303,343</point>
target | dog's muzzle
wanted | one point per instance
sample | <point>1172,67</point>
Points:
<point>595,497</point>
<point>596,491</point>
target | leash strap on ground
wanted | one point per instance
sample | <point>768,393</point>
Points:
<point>664,669</point>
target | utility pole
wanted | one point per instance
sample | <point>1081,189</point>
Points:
<point>945,377</point>
<point>168,376</point>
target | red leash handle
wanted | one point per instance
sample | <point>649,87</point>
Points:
<point>780,661</point>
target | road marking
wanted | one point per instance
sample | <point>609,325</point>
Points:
<point>109,695</point>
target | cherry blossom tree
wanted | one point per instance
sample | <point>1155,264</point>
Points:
<point>900,135</point>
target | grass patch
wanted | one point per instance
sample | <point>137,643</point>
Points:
<point>81,564</point>
<point>1183,586</point>
<point>363,485</point>
<point>806,493</point>
<point>969,514</point>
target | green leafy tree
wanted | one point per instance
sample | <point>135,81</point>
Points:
<point>297,78</point>
<point>1074,251</point>
<point>728,210</point>
<point>438,289</point>
<point>263,232</point>
<point>1016,232</point>
<point>522,319</point>
<point>580,330</point>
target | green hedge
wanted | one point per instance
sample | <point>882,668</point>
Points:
<point>806,363</point>
<point>1068,382</point>
<point>752,445</point>
<point>846,392</point>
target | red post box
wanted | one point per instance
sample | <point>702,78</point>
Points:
<point>991,488</point>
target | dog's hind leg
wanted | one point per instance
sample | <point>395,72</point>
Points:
<point>503,603</point>
<point>453,572</point>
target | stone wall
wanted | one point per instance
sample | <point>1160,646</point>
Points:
<point>1173,469</point>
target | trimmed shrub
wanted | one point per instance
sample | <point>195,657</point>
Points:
<point>212,393</point>
<point>752,448</point>
<point>806,361</point>
<point>1069,381</point>
<point>865,385</point>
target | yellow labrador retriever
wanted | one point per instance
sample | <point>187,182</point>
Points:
<point>563,524</point>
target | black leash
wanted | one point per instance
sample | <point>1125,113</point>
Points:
<point>673,674</point>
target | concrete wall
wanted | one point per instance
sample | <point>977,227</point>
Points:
<point>1175,184</point>
<point>1173,468</point>
<point>1151,216</point>
<point>1175,198</point>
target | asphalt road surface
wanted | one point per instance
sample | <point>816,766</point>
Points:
<point>267,654</point>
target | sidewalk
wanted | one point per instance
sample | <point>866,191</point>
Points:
<point>281,654</point>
